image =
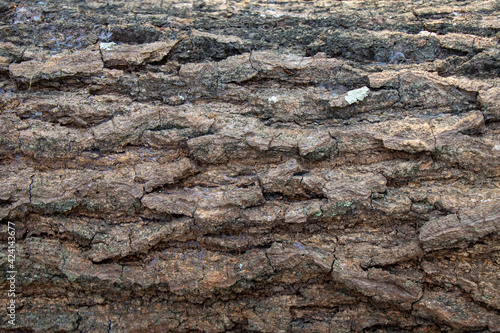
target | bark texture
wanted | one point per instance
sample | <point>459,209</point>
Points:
<point>251,166</point>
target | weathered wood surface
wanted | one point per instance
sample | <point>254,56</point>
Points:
<point>223,166</point>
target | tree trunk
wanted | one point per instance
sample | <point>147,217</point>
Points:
<point>228,166</point>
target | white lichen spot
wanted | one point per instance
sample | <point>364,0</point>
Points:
<point>272,99</point>
<point>427,33</point>
<point>357,95</point>
<point>496,148</point>
<point>107,46</point>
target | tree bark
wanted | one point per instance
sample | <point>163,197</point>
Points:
<point>227,166</point>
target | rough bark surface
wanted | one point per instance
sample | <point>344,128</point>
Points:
<point>253,166</point>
